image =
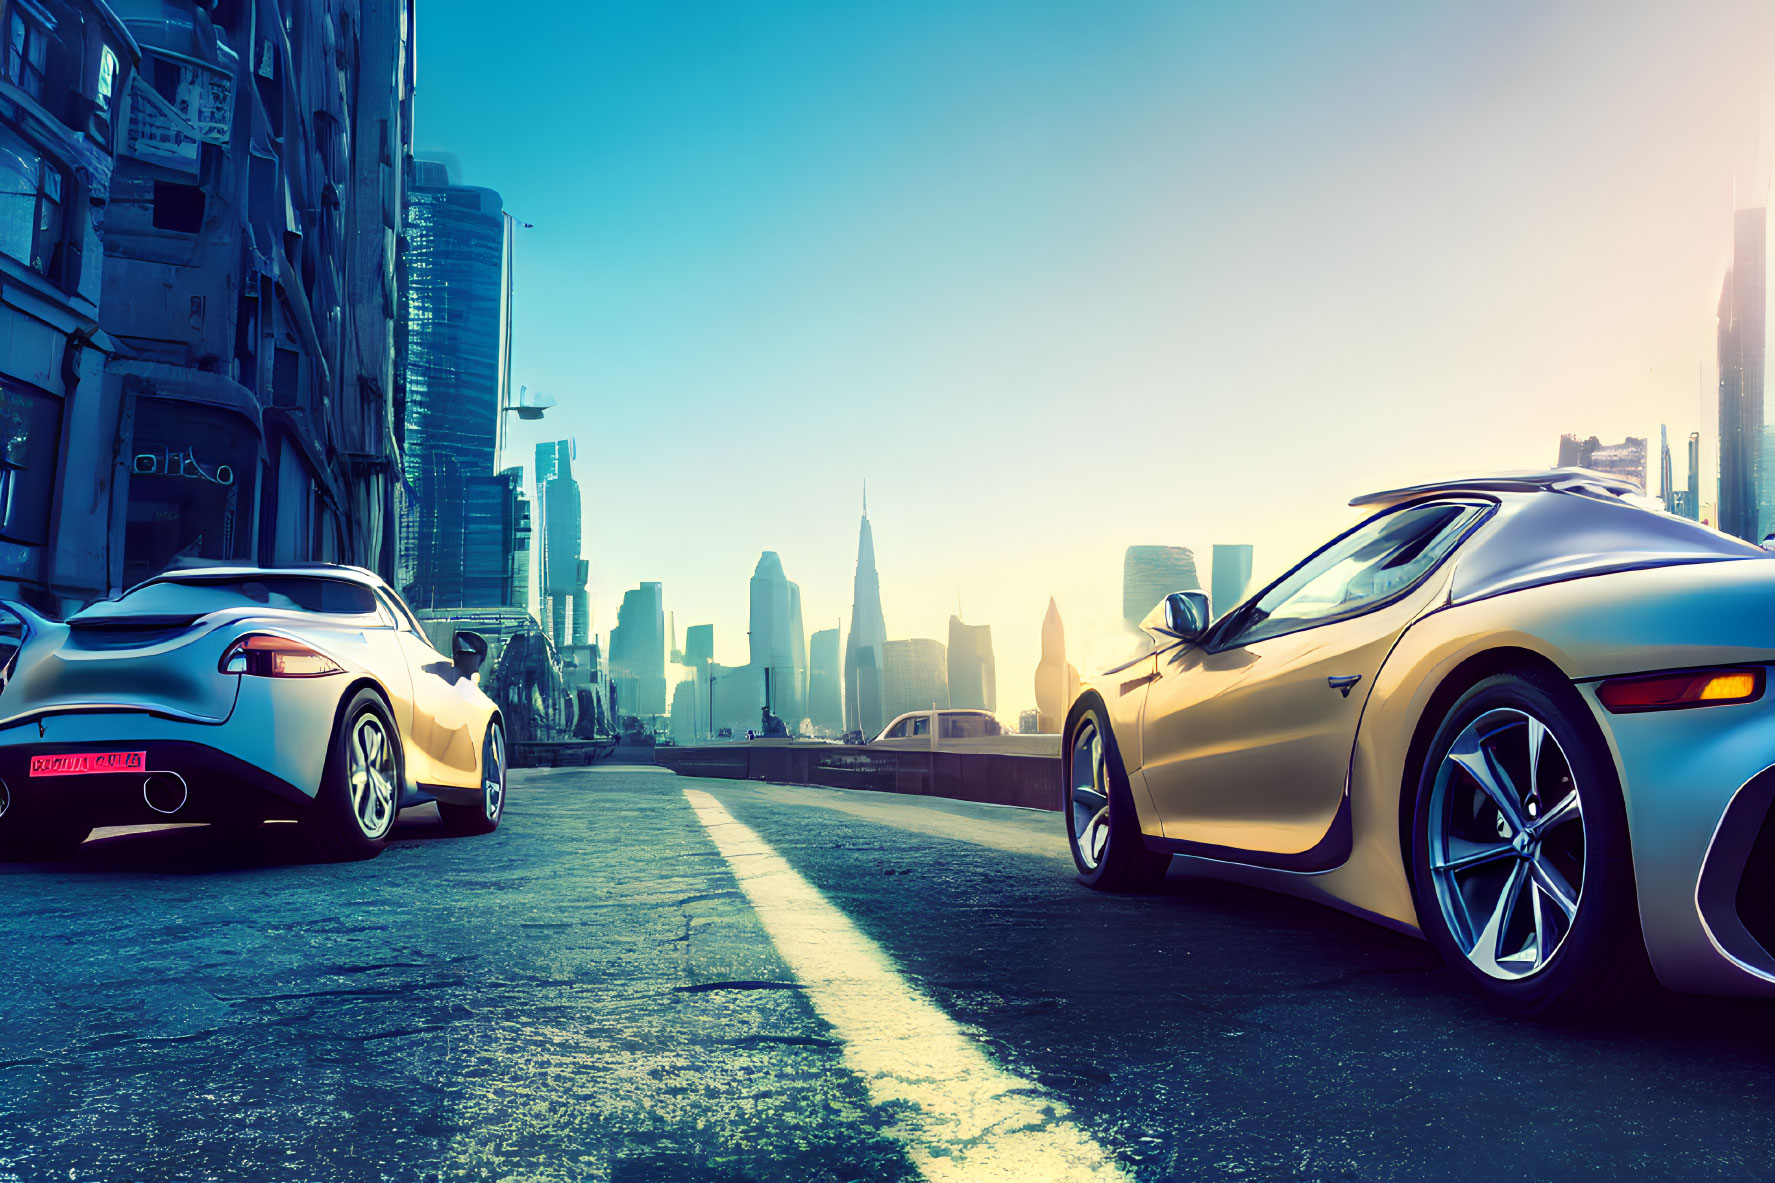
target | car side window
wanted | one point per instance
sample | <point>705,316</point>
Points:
<point>921,725</point>
<point>897,731</point>
<point>967,727</point>
<point>403,619</point>
<point>1359,571</point>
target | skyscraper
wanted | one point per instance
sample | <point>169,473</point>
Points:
<point>1694,506</point>
<point>914,677</point>
<point>699,644</point>
<point>495,543</point>
<point>638,652</point>
<point>863,664</point>
<point>1742,307</point>
<point>797,659</point>
<point>774,639</point>
<point>825,683</point>
<point>698,655</point>
<point>1665,486</point>
<point>972,674</point>
<point>688,722</point>
<point>1056,679</point>
<point>1150,573</point>
<point>560,573</point>
<point>455,332</point>
<point>1231,576</point>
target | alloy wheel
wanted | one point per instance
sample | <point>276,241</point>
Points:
<point>371,776</point>
<point>1089,795</point>
<point>1506,843</point>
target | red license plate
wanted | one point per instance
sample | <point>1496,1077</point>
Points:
<point>85,763</point>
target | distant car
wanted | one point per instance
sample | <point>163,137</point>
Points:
<point>916,729</point>
<point>1525,716</point>
<point>236,695</point>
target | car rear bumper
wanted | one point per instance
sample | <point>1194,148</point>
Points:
<point>262,762</point>
<point>216,786</point>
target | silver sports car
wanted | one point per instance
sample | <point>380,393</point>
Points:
<point>236,695</point>
<point>1525,716</point>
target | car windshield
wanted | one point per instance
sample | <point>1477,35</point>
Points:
<point>195,597</point>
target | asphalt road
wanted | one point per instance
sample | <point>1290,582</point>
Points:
<point>623,984</point>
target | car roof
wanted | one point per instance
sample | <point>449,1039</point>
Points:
<point>206,573</point>
<point>940,711</point>
<point>1562,523</point>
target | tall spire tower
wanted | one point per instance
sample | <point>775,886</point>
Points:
<point>863,649</point>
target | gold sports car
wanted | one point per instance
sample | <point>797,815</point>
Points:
<point>1523,716</point>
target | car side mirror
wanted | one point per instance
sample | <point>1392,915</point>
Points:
<point>469,651</point>
<point>1186,614</point>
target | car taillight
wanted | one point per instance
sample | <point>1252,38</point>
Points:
<point>266,656</point>
<point>1669,692</point>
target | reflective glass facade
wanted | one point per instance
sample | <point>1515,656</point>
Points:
<point>456,331</point>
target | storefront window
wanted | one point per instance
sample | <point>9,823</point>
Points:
<point>190,488</point>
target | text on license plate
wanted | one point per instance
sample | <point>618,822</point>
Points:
<point>82,763</point>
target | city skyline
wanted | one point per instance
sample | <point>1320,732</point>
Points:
<point>828,212</point>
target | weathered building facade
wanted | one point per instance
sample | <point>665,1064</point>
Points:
<point>234,383</point>
<point>66,67</point>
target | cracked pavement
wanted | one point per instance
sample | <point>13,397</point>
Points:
<point>587,995</point>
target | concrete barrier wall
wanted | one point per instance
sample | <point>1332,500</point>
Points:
<point>572,753</point>
<point>1030,781</point>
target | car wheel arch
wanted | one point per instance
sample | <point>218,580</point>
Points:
<point>495,717</point>
<point>1469,673</point>
<point>1085,702</point>
<point>381,692</point>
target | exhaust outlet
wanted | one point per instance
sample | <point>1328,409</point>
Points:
<point>165,792</point>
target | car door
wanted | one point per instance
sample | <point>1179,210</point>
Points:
<point>445,709</point>
<point>1247,737</point>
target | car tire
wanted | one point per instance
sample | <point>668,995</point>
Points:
<point>1101,827</point>
<point>360,790</point>
<point>1522,866</point>
<point>484,817</point>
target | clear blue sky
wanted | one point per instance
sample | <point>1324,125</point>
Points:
<point>1062,277</point>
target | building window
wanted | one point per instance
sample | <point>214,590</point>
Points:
<point>107,77</point>
<point>30,441</point>
<point>30,203</point>
<point>27,52</point>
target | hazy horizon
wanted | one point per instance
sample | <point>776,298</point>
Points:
<point>1061,278</point>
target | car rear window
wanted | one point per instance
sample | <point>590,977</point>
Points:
<point>195,597</point>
